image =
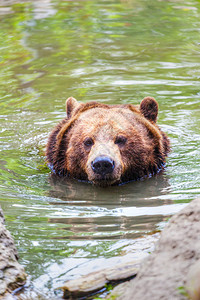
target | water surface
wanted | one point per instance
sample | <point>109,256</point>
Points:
<point>109,51</point>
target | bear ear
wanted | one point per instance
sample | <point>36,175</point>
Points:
<point>71,105</point>
<point>149,108</point>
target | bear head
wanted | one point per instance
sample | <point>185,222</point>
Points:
<point>108,144</point>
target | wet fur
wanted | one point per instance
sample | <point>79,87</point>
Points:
<point>143,155</point>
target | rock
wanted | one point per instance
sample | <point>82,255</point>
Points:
<point>12,274</point>
<point>88,284</point>
<point>193,281</point>
<point>164,274</point>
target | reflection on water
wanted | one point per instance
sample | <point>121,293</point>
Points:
<point>119,212</point>
<point>111,51</point>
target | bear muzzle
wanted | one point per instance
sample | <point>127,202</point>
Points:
<point>103,165</point>
<point>104,171</point>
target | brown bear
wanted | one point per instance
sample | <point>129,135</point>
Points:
<point>108,144</point>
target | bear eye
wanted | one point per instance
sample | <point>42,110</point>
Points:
<point>88,142</point>
<point>120,140</point>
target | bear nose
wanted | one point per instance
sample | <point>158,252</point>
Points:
<point>103,165</point>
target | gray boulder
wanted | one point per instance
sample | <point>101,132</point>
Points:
<point>12,274</point>
<point>172,271</point>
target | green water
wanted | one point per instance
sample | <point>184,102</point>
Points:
<point>109,51</point>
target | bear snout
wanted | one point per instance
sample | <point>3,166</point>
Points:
<point>103,165</point>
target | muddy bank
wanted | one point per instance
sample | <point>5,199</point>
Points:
<point>172,271</point>
<point>12,274</point>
